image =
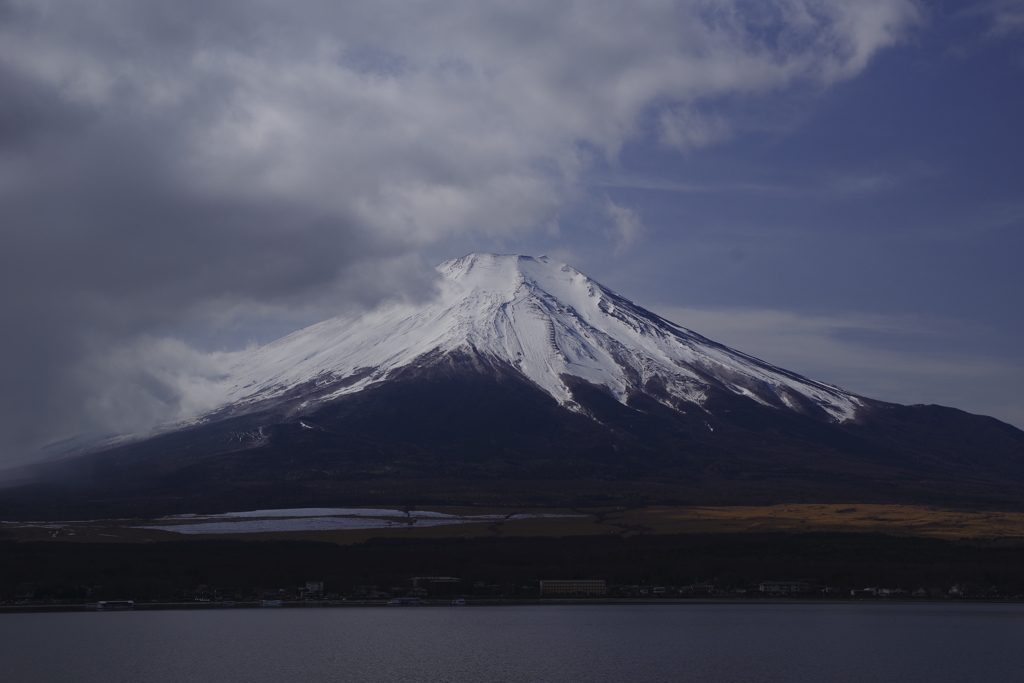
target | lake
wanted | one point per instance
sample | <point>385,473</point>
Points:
<point>692,643</point>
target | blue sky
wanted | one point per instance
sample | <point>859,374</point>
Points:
<point>834,186</point>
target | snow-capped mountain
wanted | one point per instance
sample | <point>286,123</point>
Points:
<point>545,319</point>
<point>524,382</point>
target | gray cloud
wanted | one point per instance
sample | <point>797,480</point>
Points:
<point>173,165</point>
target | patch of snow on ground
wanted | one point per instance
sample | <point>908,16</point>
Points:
<point>297,519</point>
<point>322,519</point>
<point>298,512</point>
<point>255,526</point>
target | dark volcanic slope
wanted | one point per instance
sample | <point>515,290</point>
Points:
<point>473,431</point>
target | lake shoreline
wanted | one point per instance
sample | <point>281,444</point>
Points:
<point>507,602</point>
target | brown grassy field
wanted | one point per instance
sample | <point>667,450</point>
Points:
<point>899,520</point>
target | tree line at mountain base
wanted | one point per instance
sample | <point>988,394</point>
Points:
<point>41,571</point>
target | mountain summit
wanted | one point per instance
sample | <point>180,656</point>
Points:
<point>549,322</point>
<point>524,382</point>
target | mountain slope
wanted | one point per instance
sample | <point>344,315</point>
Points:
<point>523,382</point>
<point>549,322</point>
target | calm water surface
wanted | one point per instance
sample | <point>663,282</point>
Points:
<point>758,643</point>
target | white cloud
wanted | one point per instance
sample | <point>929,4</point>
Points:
<point>422,120</point>
<point>1007,15</point>
<point>152,381</point>
<point>684,129</point>
<point>626,224</point>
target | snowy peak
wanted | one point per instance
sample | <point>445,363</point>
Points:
<point>492,272</point>
<point>482,282</point>
<point>548,321</point>
<point>506,274</point>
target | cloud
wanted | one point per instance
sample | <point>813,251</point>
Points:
<point>684,129</point>
<point>626,224</point>
<point>891,358</point>
<point>170,165</point>
<point>810,185</point>
<point>1007,16</point>
<point>151,380</point>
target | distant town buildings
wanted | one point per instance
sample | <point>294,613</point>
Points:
<point>579,587</point>
<point>783,587</point>
<point>445,589</point>
<point>405,601</point>
<point>436,585</point>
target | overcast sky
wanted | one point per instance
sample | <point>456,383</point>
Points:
<point>834,186</point>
